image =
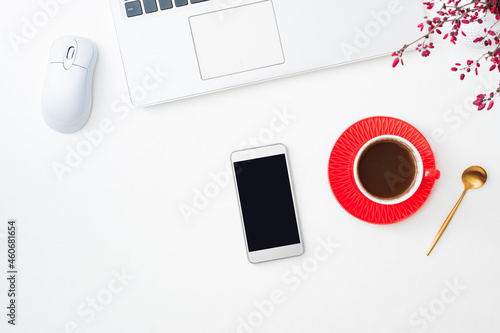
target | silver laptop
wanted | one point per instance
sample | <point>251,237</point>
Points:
<point>173,49</point>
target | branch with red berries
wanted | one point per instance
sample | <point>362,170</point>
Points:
<point>451,16</point>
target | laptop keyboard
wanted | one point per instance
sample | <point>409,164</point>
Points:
<point>139,7</point>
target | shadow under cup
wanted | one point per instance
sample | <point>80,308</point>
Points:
<point>388,169</point>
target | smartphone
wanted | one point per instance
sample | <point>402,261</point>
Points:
<point>267,204</point>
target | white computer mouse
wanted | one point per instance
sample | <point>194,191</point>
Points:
<point>67,93</point>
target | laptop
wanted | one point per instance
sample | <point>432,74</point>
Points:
<point>173,49</point>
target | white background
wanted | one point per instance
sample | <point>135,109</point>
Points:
<point>119,210</point>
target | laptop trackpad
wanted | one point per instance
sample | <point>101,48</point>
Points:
<point>236,40</point>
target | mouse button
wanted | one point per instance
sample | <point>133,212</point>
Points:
<point>85,54</point>
<point>59,48</point>
<point>70,54</point>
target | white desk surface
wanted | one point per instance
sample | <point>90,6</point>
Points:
<point>118,213</point>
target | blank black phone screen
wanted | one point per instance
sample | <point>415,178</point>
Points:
<point>266,202</point>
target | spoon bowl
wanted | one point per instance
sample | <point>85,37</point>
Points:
<point>474,177</point>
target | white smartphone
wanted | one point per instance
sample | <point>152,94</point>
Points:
<point>267,204</point>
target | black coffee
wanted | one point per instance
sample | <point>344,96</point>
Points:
<point>387,169</point>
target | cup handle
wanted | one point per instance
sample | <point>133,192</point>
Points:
<point>432,173</point>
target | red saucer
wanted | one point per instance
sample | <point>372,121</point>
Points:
<point>340,170</point>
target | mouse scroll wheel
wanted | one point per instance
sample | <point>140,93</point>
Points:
<point>71,53</point>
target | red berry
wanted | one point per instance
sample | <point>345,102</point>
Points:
<point>395,62</point>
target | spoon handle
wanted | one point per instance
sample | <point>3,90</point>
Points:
<point>446,222</point>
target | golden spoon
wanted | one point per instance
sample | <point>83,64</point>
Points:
<point>473,177</point>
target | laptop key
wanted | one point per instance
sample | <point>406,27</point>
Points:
<point>196,1</point>
<point>150,6</point>
<point>179,3</point>
<point>133,8</point>
<point>165,4</point>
